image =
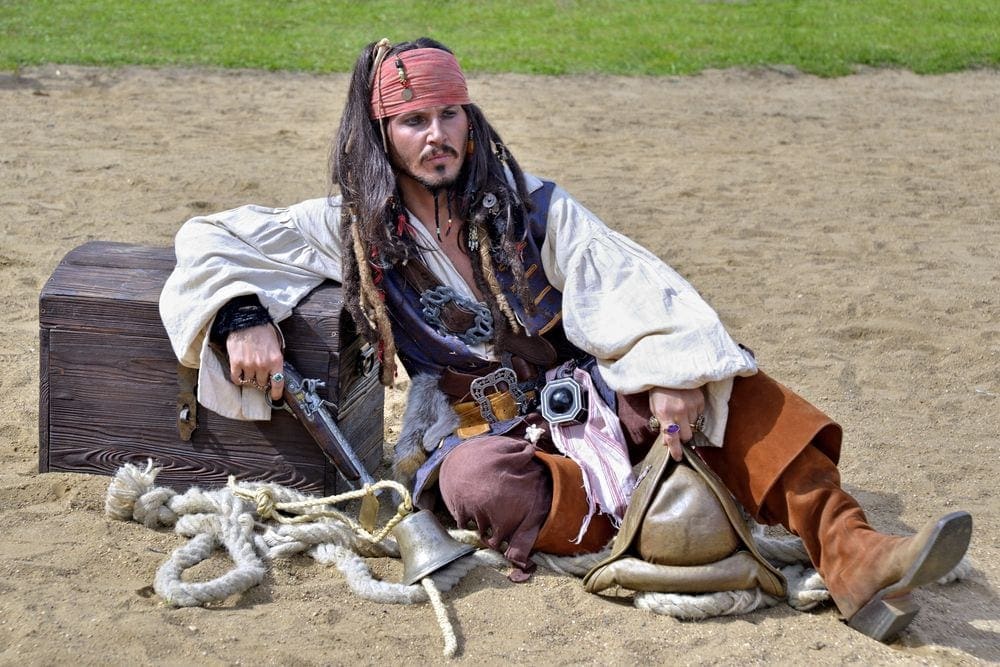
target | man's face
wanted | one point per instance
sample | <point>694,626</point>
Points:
<point>429,144</point>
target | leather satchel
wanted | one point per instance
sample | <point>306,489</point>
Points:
<point>683,533</point>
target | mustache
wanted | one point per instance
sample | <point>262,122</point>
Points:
<point>447,149</point>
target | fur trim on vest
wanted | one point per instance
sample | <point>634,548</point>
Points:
<point>428,419</point>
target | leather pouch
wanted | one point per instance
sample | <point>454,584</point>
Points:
<point>683,533</point>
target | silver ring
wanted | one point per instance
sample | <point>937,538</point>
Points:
<point>672,428</point>
<point>278,377</point>
<point>699,424</point>
<point>654,424</point>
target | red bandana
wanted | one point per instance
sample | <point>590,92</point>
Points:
<point>417,79</point>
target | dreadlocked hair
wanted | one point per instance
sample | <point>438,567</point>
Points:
<point>373,306</point>
<point>485,251</point>
<point>360,169</point>
<point>489,171</point>
<point>373,218</point>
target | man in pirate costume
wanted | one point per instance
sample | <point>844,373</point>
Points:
<point>486,283</point>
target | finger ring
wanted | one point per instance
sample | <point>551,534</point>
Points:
<point>278,377</point>
<point>672,428</point>
<point>699,423</point>
<point>245,381</point>
<point>654,424</point>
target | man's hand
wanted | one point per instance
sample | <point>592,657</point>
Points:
<point>255,356</point>
<point>680,407</point>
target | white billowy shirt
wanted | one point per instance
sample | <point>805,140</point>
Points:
<point>646,326</point>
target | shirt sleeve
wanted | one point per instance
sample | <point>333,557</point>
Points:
<point>645,324</point>
<point>279,254</point>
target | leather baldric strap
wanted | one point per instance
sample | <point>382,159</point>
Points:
<point>456,384</point>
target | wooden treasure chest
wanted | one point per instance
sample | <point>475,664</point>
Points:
<point>111,390</point>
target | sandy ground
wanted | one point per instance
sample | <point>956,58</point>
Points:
<point>846,230</point>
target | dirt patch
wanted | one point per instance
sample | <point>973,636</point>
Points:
<point>845,229</point>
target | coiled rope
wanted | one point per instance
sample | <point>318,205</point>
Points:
<point>225,517</point>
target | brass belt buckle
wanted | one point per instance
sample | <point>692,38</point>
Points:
<point>478,387</point>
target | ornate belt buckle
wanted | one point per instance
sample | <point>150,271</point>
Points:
<point>501,376</point>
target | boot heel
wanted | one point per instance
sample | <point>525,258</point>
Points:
<point>884,618</point>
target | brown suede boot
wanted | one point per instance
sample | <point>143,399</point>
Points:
<point>869,574</point>
<point>779,462</point>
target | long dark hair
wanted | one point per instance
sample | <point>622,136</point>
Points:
<point>371,227</point>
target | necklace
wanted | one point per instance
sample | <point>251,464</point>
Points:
<point>437,218</point>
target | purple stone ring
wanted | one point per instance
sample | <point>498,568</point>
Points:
<point>671,429</point>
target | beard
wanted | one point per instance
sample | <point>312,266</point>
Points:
<point>439,178</point>
<point>433,184</point>
<point>424,171</point>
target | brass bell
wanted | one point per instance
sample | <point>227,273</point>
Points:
<point>425,546</point>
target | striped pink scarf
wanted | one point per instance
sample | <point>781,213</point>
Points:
<point>599,448</point>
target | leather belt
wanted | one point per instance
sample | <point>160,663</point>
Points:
<point>471,421</point>
<point>498,394</point>
<point>458,385</point>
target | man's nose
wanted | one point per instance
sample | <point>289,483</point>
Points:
<point>435,131</point>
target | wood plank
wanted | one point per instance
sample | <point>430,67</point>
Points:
<point>126,317</point>
<point>182,471</point>
<point>111,282</point>
<point>122,255</point>
<point>43,400</point>
<point>105,411</point>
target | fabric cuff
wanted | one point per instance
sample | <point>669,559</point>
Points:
<point>241,312</point>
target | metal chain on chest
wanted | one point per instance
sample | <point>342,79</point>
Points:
<point>434,300</point>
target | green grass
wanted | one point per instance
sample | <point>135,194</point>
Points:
<point>825,37</point>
